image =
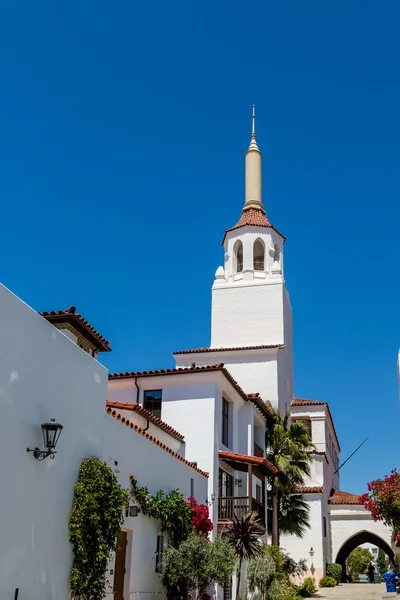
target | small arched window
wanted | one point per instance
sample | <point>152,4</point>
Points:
<point>277,253</point>
<point>258,255</point>
<point>238,267</point>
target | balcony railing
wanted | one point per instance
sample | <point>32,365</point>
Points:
<point>231,506</point>
<point>258,451</point>
<point>237,506</point>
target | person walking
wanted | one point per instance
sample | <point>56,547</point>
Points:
<point>371,572</point>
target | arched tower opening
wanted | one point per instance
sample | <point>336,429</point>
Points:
<point>238,257</point>
<point>359,538</point>
<point>259,255</point>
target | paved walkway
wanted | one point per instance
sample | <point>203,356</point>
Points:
<point>353,591</point>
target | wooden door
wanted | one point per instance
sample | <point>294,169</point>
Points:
<point>119,570</point>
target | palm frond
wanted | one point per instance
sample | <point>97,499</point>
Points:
<point>244,533</point>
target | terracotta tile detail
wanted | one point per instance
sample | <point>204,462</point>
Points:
<point>151,438</point>
<point>196,350</point>
<point>310,490</point>
<point>251,460</point>
<point>146,415</point>
<point>253,217</point>
<point>339,497</point>
<point>75,319</point>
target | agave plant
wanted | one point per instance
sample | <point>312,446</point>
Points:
<point>243,534</point>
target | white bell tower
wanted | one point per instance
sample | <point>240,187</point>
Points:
<point>250,303</point>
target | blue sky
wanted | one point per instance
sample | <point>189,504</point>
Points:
<point>123,128</point>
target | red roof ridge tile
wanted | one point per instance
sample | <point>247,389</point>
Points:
<point>147,415</point>
<point>230,349</point>
<point>253,217</point>
<point>72,315</point>
<point>255,460</point>
<point>320,453</point>
<point>151,438</point>
<point>340,497</point>
<point>310,489</point>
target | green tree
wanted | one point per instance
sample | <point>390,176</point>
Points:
<point>293,514</point>
<point>288,448</point>
<point>359,560</point>
<point>260,571</point>
<point>382,562</point>
<point>197,564</point>
<point>243,534</point>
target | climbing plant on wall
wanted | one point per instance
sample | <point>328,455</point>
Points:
<point>171,509</point>
<point>95,520</point>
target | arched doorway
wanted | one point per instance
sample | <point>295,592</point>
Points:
<point>359,538</point>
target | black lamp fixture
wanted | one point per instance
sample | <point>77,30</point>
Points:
<point>311,552</point>
<point>51,432</point>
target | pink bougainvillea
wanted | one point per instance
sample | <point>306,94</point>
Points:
<point>383,500</point>
<point>201,521</point>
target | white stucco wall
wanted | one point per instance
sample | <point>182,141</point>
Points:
<point>254,370</point>
<point>300,547</point>
<point>156,469</point>
<point>43,375</point>
<point>347,521</point>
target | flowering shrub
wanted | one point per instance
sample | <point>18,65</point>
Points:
<point>383,500</point>
<point>201,522</point>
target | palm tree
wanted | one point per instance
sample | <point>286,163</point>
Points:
<point>288,447</point>
<point>243,534</point>
<point>293,514</point>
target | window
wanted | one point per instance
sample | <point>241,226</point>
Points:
<point>191,487</point>
<point>258,493</point>
<point>238,253</point>
<point>225,484</point>
<point>277,253</point>
<point>324,522</point>
<point>258,256</point>
<point>152,402</point>
<point>159,551</point>
<point>225,422</point>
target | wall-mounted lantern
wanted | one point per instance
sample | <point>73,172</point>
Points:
<point>51,432</point>
<point>311,552</point>
<point>238,482</point>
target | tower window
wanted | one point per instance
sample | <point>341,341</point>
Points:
<point>277,253</point>
<point>152,402</point>
<point>258,255</point>
<point>238,251</point>
<point>225,422</point>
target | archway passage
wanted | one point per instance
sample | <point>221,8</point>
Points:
<point>359,538</point>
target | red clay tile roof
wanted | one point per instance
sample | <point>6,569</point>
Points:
<point>254,217</point>
<point>78,322</point>
<point>261,405</point>
<point>310,490</point>
<point>195,350</point>
<point>305,402</point>
<point>151,438</point>
<point>318,453</point>
<point>187,370</point>
<point>339,497</point>
<point>258,461</point>
<point>146,415</point>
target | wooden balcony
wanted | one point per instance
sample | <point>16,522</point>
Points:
<point>230,506</point>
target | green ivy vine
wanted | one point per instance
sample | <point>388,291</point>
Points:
<point>171,509</point>
<point>95,520</point>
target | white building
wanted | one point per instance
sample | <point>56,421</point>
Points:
<point>43,375</point>
<point>210,396</point>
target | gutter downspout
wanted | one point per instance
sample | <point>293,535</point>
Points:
<point>137,390</point>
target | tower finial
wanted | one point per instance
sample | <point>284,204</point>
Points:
<point>253,171</point>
